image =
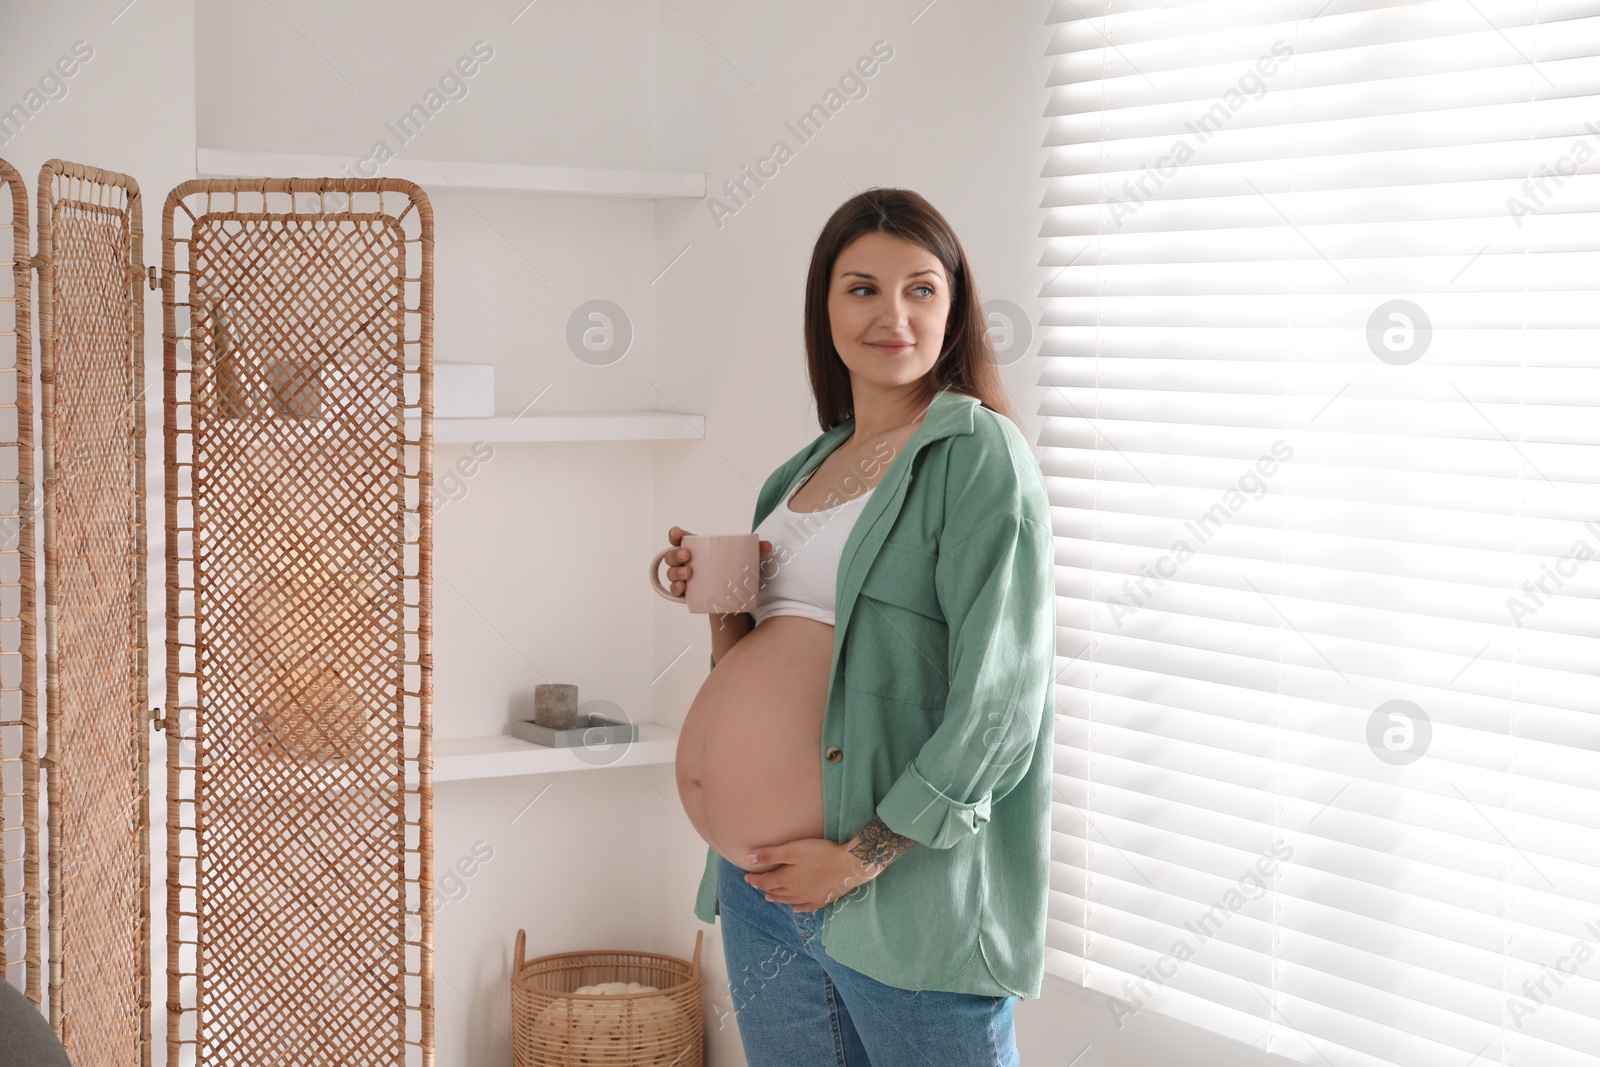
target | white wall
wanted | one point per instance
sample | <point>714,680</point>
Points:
<point>539,554</point>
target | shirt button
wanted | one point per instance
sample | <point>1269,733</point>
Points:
<point>834,755</point>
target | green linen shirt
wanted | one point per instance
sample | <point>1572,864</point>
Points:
<point>941,701</point>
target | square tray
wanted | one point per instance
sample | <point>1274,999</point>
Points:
<point>606,732</point>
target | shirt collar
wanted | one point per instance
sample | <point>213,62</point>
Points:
<point>949,412</point>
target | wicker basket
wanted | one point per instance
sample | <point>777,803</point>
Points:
<point>552,1026</point>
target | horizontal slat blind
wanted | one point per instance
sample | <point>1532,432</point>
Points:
<point>1320,439</point>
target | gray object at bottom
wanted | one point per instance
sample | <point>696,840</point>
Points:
<point>591,730</point>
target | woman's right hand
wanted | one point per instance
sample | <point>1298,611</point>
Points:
<point>677,576</point>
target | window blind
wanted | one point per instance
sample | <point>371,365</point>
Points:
<point>1320,434</point>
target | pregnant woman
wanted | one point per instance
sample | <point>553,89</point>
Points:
<point>870,757</point>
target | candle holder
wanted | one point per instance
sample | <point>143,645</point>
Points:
<point>555,706</point>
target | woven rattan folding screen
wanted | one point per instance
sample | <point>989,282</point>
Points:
<point>298,341</point>
<point>91,373</point>
<point>19,709</point>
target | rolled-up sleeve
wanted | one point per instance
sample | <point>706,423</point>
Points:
<point>996,588</point>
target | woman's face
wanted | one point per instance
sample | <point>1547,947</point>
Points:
<point>888,302</point>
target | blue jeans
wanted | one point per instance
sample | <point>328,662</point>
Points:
<point>798,1008</point>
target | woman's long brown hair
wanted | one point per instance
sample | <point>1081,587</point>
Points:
<point>966,363</point>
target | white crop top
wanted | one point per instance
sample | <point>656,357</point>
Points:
<point>801,573</point>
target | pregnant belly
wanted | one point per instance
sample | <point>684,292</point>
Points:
<point>749,764</point>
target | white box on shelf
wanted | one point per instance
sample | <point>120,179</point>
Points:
<point>463,390</point>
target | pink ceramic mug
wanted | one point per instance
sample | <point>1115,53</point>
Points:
<point>726,573</point>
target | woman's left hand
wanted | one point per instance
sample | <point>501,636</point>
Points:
<point>815,872</point>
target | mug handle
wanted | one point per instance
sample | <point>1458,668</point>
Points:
<point>655,578</point>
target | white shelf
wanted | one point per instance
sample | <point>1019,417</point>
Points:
<point>504,756</point>
<point>574,426</point>
<point>579,181</point>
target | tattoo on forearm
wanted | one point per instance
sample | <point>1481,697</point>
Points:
<point>879,846</point>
